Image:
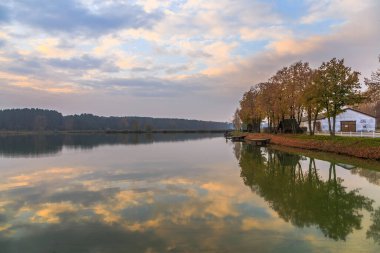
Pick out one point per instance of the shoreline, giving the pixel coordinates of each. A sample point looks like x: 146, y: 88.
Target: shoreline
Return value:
x: 111, y: 132
x: 369, y: 164
x: 367, y: 148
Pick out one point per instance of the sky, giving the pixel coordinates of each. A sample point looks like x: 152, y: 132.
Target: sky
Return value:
x: 182, y: 58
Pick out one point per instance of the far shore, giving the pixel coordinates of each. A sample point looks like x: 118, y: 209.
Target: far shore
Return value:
x: 111, y: 132
x: 368, y: 148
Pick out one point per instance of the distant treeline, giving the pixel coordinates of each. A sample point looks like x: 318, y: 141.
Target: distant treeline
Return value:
x: 49, y: 120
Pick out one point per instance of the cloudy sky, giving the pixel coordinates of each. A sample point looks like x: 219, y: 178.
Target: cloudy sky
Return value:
x: 180, y: 58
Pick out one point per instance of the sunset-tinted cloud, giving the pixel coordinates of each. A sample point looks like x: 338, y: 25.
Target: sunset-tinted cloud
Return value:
x: 189, y: 59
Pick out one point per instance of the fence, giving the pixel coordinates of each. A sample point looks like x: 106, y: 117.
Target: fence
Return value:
x: 354, y: 134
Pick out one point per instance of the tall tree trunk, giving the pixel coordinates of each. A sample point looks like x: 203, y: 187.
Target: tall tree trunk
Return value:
x: 309, y: 120
x: 334, y: 119
x: 315, y: 120
x: 270, y: 123
x: 311, y: 132
x: 299, y: 116
x: 334, y: 122
x: 329, y: 118
x: 329, y: 121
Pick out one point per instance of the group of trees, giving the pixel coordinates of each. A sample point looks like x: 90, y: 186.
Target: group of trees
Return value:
x: 298, y: 91
x: 42, y: 120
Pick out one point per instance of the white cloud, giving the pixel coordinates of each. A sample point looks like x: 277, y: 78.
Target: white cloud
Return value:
x: 334, y: 9
x: 264, y: 33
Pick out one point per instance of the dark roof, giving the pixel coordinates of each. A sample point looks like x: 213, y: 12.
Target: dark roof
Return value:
x: 321, y: 116
x: 288, y: 123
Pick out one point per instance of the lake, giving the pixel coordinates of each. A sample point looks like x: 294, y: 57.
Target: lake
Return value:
x: 181, y: 193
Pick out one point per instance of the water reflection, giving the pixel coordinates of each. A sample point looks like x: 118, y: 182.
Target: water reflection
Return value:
x: 45, y: 144
x: 300, y: 195
x: 164, y: 197
x: 80, y: 210
x: 374, y: 230
x: 180, y: 197
x: 372, y: 176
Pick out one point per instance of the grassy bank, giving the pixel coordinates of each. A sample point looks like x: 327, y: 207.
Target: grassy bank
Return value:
x: 368, y: 148
x: 332, y: 157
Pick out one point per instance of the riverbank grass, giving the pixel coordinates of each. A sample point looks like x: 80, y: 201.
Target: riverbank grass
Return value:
x: 362, y: 147
x: 346, y: 140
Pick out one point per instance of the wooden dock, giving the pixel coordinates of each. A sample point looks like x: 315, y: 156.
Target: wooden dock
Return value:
x: 259, y: 142
x: 235, y: 137
x: 241, y: 137
x: 238, y: 138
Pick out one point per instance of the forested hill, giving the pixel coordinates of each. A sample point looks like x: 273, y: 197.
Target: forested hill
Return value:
x: 41, y: 120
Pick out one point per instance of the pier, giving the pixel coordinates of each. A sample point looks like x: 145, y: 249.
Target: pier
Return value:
x: 259, y: 142
x: 241, y: 137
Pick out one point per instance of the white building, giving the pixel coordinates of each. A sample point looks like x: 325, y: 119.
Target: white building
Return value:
x: 350, y: 120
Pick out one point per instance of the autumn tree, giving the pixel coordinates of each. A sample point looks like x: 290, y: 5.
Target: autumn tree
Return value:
x: 373, y: 84
x: 249, y: 112
x: 267, y: 101
x: 373, y: 92
x: 280, y: 81
x: 236, y: 121
x: 311, y: 99
x: 285, y: 91
x: 299, y: 76
x: 341, y: 89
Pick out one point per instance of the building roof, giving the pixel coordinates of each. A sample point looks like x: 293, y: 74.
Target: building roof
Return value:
x: 355, y: 110
x: 320, y: 116
x: 323, y: 116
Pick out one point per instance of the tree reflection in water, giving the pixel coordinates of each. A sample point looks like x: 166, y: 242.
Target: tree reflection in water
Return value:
x: 300, y: 195
x: 372, y: 176
x: 374, y: 230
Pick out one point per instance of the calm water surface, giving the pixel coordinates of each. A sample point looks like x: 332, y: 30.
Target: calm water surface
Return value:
x: 180, y: 193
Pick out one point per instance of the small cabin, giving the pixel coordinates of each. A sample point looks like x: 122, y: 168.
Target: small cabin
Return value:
x: 350, y: 120
x: 289, y: 126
